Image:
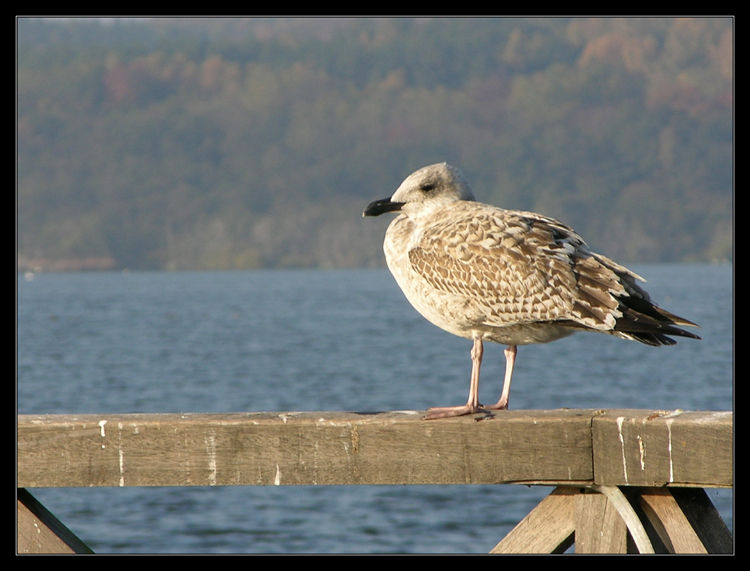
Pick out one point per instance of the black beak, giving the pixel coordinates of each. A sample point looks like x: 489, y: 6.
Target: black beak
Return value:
x: 381, y: 207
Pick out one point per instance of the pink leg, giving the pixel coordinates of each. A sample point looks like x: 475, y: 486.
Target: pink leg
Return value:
x: 510, y: 359
x: 472, y: 405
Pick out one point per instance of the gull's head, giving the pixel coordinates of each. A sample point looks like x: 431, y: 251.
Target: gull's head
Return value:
x: 430, y: 187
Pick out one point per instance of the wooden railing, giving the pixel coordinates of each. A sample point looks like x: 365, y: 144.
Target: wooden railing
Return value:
x: 620, y: 474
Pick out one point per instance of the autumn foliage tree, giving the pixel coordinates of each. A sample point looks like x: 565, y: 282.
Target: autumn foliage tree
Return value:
x: 238, y: 143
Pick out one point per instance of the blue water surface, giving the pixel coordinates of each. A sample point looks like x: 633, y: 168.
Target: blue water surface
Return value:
x: 296, y: 340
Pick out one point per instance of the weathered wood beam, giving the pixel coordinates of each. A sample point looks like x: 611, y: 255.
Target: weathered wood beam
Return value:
x: 686, y: 520
x: 41, y: 532
x: 603, y: 519
x: 563, y: 447
x: 599, y: 528
x: 549, y: 527
x: 657, y: 448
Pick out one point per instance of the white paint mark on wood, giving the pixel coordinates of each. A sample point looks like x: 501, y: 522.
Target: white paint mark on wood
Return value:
x: 669, y: 448
x: 642, y: 451
x: 211, y: 449
x: 122, y: 468
x: 121, y: 456
x: 101, y: 428
x: 620, y: 420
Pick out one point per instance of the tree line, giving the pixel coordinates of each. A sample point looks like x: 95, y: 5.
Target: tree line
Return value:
x: 241, y: 143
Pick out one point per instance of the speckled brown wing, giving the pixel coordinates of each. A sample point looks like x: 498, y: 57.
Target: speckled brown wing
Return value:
x: 519, y: 267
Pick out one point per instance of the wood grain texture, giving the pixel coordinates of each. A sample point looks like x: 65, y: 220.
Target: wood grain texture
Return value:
x: 598, y: 525
x: 307, y: 448
x: 41, y: 532
x: 565, y: 447
x: 659, y: 448
x: 548, y: 528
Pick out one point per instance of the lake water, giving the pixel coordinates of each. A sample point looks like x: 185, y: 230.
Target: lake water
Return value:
x: 295, y: 340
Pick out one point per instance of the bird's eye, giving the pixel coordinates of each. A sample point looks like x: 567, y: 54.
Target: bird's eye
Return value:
x: 427, y: 187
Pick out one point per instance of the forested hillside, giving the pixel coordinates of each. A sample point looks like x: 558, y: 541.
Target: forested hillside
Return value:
x: 241, y: 143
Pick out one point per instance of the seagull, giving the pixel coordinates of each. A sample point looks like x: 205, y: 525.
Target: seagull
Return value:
x: 507, y: 276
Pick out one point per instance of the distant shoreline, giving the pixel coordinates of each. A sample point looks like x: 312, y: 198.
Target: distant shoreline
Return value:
x: 66, y: 265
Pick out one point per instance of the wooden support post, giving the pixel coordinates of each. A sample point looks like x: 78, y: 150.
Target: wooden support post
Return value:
x: 41, y: 532
x: 596, y: 522
x: 598, y: 525
x: 547, y: 529
x: 685, y: 520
